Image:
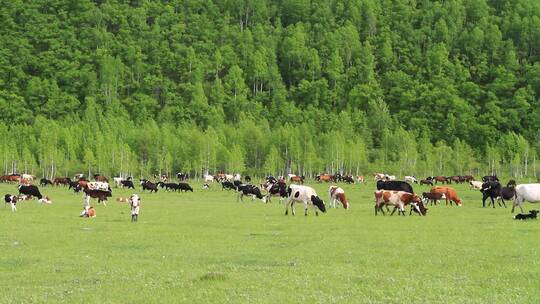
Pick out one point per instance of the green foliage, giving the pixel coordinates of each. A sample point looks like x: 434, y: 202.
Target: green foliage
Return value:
x: 146, y: 86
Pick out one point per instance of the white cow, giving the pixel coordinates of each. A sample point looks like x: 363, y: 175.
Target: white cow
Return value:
x: 526, y: 192
x: 475, y: 185
x: 27, y: 177
x: 237, y: 177
x: 135, y: 202
x: 306, y: 195
x: 410, y: 179
x: 229, y: 177
x: 118, y: 181
x: 337, y: 194
x: 208, y: 178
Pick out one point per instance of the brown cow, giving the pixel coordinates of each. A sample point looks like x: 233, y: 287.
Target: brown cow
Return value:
x: 398, y: 199
x: 450, y: 194
x: 325, y: 178
x: 64, y: 181
x: 441, y: 179
x: 101, y: 178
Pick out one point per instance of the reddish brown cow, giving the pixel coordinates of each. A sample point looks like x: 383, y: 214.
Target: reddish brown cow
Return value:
x: 101, y: 178
x: 450, y: 194
x: 325, y: 178
x: 441, y: 179
x: 61, y: 181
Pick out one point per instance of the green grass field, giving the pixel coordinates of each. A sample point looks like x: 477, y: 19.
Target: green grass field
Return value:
x: 204, y: 247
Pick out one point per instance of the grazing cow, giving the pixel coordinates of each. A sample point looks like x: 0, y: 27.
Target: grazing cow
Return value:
x: 44, y: 182
x: 100, y: 194
x: 135, y: 203
x: 440, y: 179
x: 426, y: 182
x: 394, y: 185
x: 184, y: 187
x: 493, y: 191
x: 306, y: 195
x: 64, y: 181
x: 336, y: 194
x: 296, y: 178
x: 100, y: 178
x: 456, y: 179
x: 476, y: 185
x: 226, y: 185
x: 276, y: 188
x: 127, y: 184
x: 118, y: 181
x: 148, y: 185
x: 12, y: 200
x: 360, y: 179
x: 324, y: 178
x: 398, y: 199
x: 411, y: 179
x: 449, y: 193
x: 432, y: 198
x: 183, y: 176
x: 418, y: 208
x: 526, y: 192
x: 490, y: 178
x: 532, y: 215
x: 347, y: 179
x: 33, y: 191
x: 208, y: 178
x: 379, y: 176
x: 252, y: 190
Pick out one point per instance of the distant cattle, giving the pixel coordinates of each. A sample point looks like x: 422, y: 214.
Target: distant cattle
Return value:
x: 337, y: 194
x: 44, y: 182
x: 226, y: 185
x: 100, y: 178
x: 64, y: 181
x: 184, y: 187
x: 148, y: 185
x: 450, y: 194
x: 360, y: 179
x: 127, y: 184
x: 526, y: 192
x: 394, y: 185
x: 296, y: 178
x: 181, y: 176
x: 379, y: 176
x: 324, y: 178
x: 306, y: 195
x: 398, y: 199
x: 208, y: 178
x: 426, y: 182
x: 440, y: 179
x: 347, y: 179
x: 411, y: 179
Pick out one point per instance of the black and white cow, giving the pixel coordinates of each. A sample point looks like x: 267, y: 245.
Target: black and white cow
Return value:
x: 44, y: 182
x: 12, y: 201
x: 225, y: 185
x: 275, y: 189
x: 181, y: 176
x: 127, y: 184
x: 33, y: 191
x: 306, y: 195
x: 252, y: 190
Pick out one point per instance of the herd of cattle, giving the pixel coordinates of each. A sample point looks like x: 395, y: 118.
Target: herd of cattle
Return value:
x: 390, y: 192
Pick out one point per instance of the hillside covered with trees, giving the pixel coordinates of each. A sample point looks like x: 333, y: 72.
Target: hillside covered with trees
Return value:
x: 269, y: 86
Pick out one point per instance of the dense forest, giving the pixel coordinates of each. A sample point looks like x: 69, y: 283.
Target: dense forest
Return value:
x: 270, y: 86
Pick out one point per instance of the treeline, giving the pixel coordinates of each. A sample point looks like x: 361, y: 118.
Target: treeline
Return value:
x: 270, y: 86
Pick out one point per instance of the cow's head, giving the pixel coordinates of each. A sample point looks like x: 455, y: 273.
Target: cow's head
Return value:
x: 318, y: 202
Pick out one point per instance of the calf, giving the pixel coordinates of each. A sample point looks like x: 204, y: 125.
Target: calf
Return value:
x: 449, y: 193
x: 432, y: 198
x: 12, y: 200
x: 532, y: 215
x: 336, y: 194
x: 306, y: 195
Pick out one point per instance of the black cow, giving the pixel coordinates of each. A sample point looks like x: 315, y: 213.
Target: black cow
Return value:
x: 252, y: 190
x: 182, y: 176
x: 490, y: 178
x: 347, y: 179
x: 492, y: 190
x: 127, y: 184
x: 426, y: 182
x: 44, y: 182
x: 226, y: 185
x: 184, y: 187
x: 532, y: 215
x: 148, y: 185
x: 247, y: 178
x: 394, y: 185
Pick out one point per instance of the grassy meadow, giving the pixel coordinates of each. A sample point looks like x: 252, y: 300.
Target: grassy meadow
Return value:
x: 204, y: 247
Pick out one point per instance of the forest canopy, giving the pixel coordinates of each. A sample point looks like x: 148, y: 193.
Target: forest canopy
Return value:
x: 268, y: 87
